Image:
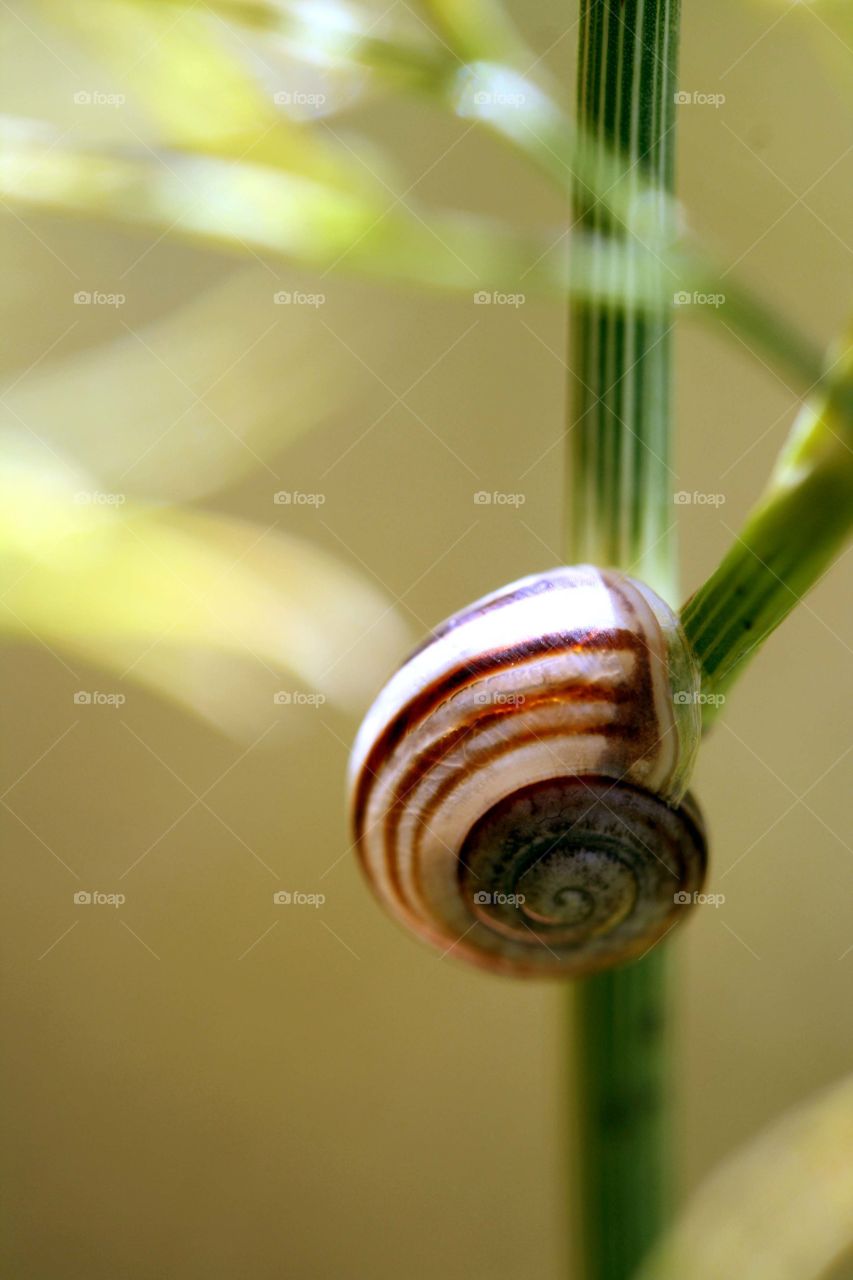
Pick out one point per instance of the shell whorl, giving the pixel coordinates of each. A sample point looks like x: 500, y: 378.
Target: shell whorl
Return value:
x: 516, y: 786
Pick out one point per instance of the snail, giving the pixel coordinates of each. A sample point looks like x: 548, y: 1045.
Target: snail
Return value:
x: 518, y: 788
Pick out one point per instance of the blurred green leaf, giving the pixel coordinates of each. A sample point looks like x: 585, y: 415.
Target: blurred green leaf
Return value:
x: 348, y: 37
x: 196, y: 84
x: 300, y: 220
x: 799, y: 524
x: 216, y: 613
x: 244, y: 205
x: 186, y: 70
x: 478, y: 29
x: 781, y: 1209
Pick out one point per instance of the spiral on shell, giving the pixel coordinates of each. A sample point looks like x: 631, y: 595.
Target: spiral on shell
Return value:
x: 518, y: 787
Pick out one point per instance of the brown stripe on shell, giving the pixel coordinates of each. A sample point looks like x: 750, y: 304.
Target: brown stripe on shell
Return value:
x: 486, y: 758
x: 640, y: 731
x: 616, y: 586
x: 419, y: 707
x: 480, y: 610
x: 481, y: 722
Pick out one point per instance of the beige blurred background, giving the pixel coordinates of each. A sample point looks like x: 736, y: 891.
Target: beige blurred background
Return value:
x: 200, y: 1084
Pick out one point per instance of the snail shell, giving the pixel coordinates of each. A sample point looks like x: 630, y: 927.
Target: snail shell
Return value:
x: 518, y: 786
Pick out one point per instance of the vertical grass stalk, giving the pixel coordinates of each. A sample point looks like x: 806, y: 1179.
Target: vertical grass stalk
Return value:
x: 620, y: 514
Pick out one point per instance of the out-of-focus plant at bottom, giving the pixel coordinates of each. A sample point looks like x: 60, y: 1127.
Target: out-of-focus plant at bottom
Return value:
x: 780, y: 1209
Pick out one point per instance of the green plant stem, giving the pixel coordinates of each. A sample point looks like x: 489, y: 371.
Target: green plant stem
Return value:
x: 620, y: 513
x: 620, y: 510
x: 795, y: 531
x: 621, y: 1045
